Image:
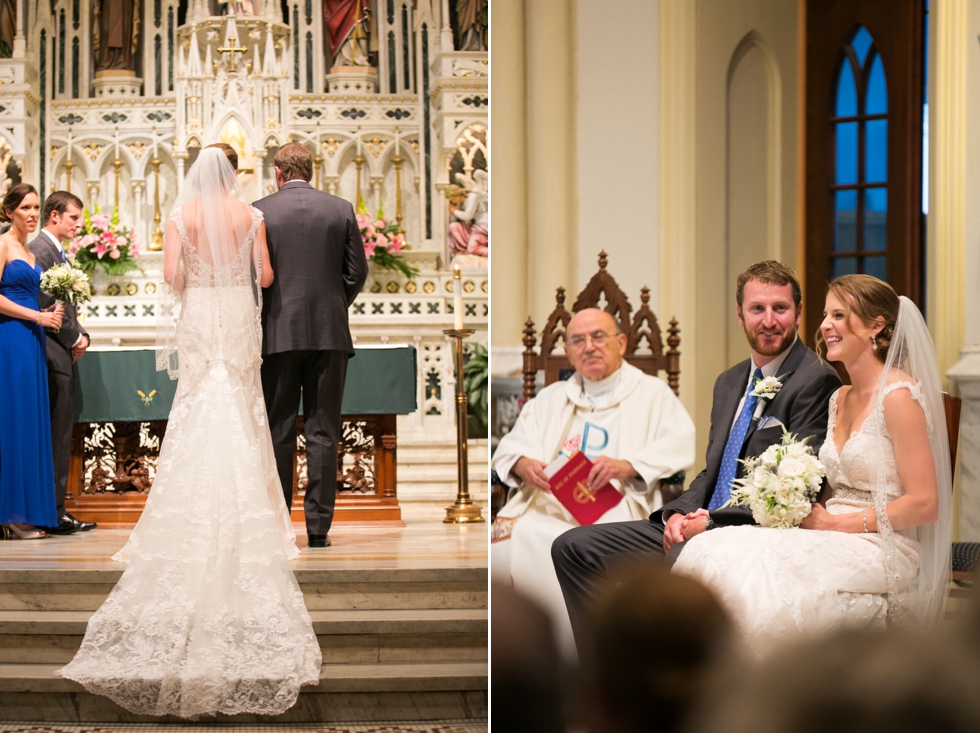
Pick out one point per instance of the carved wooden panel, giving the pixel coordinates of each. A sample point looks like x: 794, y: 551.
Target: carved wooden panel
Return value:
x: 113, y: 466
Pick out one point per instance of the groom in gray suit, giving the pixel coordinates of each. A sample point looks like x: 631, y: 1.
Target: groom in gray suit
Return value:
x: 316, y: 252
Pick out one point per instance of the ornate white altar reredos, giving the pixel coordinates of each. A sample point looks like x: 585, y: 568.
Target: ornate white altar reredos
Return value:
x: 113, y: 100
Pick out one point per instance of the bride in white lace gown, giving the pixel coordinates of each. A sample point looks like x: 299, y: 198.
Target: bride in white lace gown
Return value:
x: 208, y: 616
x: 880, y: 551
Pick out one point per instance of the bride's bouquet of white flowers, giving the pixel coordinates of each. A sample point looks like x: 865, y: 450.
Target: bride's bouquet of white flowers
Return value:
x: 781, y: 485
x: 67, y: 283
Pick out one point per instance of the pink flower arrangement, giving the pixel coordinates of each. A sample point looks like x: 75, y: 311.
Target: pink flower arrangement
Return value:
x: 102, y: 242
x: 383, y: 241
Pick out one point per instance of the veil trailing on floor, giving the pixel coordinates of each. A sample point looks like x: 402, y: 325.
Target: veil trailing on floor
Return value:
x: 921, y: 603
x: 208, y: 243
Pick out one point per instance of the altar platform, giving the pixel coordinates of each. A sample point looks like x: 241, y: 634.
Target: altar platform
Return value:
x: 401, y: 614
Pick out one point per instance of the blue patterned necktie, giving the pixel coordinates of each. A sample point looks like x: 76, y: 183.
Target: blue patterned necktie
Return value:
x: 729, y: 461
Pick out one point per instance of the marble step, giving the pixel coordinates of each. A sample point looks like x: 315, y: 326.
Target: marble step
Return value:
x: 408, y: 454
x: 323, y: 590
x: 371, y: 636
x: 346, y: 692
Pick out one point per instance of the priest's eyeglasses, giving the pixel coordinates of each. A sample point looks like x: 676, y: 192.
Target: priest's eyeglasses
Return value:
x: 599, y: 338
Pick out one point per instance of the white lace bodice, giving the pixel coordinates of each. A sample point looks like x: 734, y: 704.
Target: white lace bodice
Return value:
x: 221, y: 312
x: 199, y: 273
x: 850, y: 471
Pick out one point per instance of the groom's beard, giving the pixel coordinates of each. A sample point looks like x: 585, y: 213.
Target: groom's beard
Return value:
x: 770, y: 342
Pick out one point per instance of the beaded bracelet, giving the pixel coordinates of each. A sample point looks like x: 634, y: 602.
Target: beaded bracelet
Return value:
x: 864, y: 518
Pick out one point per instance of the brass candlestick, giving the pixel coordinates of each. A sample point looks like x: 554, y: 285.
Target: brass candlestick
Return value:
x: 358, y: 161
x: 117, y: 164
x: 69, y: 167
x: 463, y: 511
x: 156, y: 238
x: 398, y: 188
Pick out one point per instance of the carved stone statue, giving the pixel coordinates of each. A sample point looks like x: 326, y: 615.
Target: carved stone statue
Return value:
x: 469, y: 226
x: 116, y: 34
x: 472, y: 17
x: 350, y: 32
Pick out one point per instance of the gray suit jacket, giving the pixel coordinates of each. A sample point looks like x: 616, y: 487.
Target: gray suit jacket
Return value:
x: 59, y: 344
x: 801, y: 406
x: 319, y: 264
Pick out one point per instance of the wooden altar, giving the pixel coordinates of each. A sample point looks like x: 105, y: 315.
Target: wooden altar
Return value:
x: 121, y: 412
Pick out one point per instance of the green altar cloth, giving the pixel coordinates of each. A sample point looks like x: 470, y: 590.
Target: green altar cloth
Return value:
x: 122, y: 385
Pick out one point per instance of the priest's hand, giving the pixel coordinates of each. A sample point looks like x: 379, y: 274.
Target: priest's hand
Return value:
x: 532, y: 473
x: 604, y: 469
x: 694, y: 523
x: 674, y: 530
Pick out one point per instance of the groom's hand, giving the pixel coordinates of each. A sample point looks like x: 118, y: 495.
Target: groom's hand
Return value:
x: 673, y: 531
x: 693, y: 524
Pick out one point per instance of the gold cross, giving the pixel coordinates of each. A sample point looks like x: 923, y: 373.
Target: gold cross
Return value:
x: 233, y: 49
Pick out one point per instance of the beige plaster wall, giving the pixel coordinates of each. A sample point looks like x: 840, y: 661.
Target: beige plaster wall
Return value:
x: 746, y: 161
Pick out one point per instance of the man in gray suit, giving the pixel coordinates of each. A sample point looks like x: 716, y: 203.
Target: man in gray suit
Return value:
x: 318, y: 257
x: 62, y: 216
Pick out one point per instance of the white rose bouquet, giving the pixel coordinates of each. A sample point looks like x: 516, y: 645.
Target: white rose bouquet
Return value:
x: 67, y: 283
x: 781, y: 485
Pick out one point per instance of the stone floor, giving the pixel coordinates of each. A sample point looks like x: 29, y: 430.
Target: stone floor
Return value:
x: 425, y: 542
x: 401, y: 614
x: 444, y: 726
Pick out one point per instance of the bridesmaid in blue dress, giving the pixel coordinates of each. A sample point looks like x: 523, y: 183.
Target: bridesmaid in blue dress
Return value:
x: 26, y: 467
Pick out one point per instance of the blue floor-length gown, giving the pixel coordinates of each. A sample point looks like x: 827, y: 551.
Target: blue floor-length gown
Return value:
x: 26, y: 466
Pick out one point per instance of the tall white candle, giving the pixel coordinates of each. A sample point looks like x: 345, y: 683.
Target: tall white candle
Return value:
x: 154, y: 142
x: 457, y: 298
x: 358, y: 142
x: 117, y: 142
x: 397, y: 141
x: 69, y: 143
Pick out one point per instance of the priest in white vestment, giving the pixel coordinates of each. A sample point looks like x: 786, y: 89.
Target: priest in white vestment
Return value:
x: 629, y: 424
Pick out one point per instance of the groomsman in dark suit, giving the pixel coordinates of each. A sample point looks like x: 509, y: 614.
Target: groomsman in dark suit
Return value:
x: 62, y: 216
x: 318, y: 257
x: 769, y: 303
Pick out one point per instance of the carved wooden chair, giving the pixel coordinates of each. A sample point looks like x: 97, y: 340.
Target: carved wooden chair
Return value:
x: 644, y: 350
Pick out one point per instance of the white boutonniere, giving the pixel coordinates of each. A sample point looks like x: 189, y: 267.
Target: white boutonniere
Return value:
x: 766, y: 389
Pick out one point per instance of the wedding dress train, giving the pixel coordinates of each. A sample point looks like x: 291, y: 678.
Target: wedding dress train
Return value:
x: 208, y: 616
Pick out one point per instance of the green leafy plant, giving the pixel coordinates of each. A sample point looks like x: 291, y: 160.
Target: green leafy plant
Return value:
x: 476, y: 382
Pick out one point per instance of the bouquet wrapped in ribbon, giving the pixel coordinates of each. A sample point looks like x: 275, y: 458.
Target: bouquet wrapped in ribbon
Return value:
x: 102, y: 242
x: 781, y: 485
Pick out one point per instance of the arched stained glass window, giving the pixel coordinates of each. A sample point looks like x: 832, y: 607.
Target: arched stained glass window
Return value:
x: 860, y: 187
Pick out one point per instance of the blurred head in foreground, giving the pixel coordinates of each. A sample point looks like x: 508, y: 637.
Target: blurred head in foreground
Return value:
x: 526, y: 674
x: 857, y: 681
x: 649, y: 651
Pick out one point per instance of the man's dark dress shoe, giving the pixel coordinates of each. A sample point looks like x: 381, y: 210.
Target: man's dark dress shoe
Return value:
x: 79, y: 524
x: 318, y: 540
x: 66, y: 525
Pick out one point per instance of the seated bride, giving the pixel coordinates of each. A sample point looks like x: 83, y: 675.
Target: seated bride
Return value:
x: 879, y: 552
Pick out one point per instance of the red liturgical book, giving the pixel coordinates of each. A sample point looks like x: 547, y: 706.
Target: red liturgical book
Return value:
x: 569, y: 484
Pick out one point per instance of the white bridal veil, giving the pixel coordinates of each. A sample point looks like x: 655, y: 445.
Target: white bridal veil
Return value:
x: 920, y: 604
x: 208, y: 244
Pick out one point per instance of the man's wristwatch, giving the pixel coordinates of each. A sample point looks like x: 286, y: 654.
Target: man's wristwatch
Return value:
x: 709, y: 523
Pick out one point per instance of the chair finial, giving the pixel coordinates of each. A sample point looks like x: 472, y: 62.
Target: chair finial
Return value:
x: 603, y: 259
x: 560, y: 296
x: 645, y: 295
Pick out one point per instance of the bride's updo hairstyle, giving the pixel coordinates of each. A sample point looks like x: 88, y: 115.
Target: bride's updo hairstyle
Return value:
x: 869, y: 299
x: 14, y: 198
x: 228, y: 151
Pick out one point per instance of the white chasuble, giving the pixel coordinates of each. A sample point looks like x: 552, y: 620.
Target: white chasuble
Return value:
x: 628, y: 416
